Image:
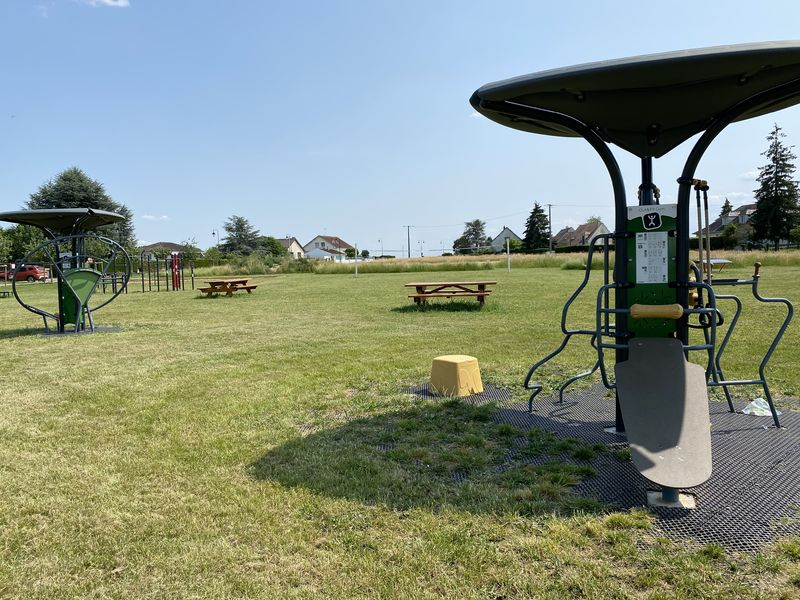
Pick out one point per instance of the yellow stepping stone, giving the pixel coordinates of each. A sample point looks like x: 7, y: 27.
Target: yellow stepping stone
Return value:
x: 456, y: 375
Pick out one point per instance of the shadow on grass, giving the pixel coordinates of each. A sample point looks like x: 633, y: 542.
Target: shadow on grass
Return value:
x: 449, y: 306
x: 440, y: 454
x: 15, y: 333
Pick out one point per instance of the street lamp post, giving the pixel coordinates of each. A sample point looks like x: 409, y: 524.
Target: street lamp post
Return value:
x: 381, y: 243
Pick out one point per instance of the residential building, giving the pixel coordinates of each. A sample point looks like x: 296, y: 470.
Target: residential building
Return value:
x: 737, y: 216
x: 499, y: 242
x: 326, y: 254
x: 161, y: 248
x: 292, y: 246
x: 583, y: 235
x: 326, y: 242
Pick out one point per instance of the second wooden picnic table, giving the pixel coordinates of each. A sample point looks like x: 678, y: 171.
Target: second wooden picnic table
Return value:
x: 450, y: 289
x: 226, y: 286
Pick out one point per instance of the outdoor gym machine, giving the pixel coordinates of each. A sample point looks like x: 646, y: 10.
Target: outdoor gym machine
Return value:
x: 174, y: 271
x: 649, y: 105
x: 81, y: 260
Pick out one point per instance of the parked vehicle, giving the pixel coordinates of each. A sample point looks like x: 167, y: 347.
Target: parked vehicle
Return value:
x: 26, y: 273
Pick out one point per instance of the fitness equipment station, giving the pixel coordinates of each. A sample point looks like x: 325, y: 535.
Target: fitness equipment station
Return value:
x: 649, y: 105
x: 174, y: 271
x: 81, y: 260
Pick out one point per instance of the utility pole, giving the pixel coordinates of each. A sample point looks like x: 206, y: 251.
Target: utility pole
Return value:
x: 408, y: 234
x: 550, y: 225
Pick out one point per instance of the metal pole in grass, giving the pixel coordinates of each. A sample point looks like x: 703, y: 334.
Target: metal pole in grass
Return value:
x: 356, y: 260
x: 508, y: 255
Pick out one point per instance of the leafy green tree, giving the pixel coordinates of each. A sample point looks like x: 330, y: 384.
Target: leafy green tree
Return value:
x: 537, y: 230
x: 727, y: 207
x: 594, y: 220
x: 475, y: 232
x: 461, y: 246
x: 728, y: 237
x: 350, y: 252
x: 74, y: 189
x: 190, y: 249
x: 5, y: 247
x: 777, y: 194
x: 242, y: 237
x: 269, y: 245
x: 514, y: 246
x: 794, y: 235
x: 23, y: 238
x: 365, y: 253
x: 473, y: 237
x: 213, y: 254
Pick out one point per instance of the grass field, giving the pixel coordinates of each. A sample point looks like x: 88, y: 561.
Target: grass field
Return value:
x: 263, y: 446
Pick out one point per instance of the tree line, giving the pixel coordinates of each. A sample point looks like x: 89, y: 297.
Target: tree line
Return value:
x: 776, y: 217
x: 537, y: 235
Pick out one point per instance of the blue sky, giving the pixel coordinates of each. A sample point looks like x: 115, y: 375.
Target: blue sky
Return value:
x: 346, y: 118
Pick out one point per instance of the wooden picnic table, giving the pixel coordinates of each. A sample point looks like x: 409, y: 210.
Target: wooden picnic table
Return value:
x: 721, y: 263
x: 226, y: 286
x: 450, y: 289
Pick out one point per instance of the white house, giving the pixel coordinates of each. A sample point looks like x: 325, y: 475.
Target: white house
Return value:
x: 293, y: 247
x: 499, y: 242
x: 327, y: 243
x: 326, y: 254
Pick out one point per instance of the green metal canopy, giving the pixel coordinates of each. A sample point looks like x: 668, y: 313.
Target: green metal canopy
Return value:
x: 63, y: 221
x: 649, y: 104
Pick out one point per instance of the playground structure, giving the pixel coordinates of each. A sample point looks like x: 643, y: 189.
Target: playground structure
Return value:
x: 81, y: 260
x: 174, y: 272
x: 648, y: 106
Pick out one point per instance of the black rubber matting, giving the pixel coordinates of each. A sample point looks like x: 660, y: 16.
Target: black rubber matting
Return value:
x: 752, y: 497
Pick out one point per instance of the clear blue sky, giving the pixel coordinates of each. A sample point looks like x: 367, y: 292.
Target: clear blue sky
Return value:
x: 349, y: 118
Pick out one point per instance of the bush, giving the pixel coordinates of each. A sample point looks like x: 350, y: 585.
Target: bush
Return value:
x: 297, y: 265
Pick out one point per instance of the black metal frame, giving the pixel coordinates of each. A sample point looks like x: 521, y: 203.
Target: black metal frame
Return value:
x: 648, y: 195
x: 76, y: 258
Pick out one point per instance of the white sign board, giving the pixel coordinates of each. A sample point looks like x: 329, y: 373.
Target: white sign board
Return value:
x: 651, y: 257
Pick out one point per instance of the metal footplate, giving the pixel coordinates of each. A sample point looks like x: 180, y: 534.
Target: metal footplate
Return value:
x: 665, y: 406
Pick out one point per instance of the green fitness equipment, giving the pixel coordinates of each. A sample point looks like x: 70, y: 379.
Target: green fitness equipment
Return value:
x: 81, y: 260
x: 654, y: 297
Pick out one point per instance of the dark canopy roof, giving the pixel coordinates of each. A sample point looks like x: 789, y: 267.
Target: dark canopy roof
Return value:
x: 650, y: 104
x: 63, y: 220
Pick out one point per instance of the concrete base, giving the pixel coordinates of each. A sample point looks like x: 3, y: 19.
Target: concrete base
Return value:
x: 687, y: 501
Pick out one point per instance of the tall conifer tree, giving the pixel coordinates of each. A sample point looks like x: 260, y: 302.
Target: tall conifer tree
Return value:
x: 537, y: 230
x: 777, y: 194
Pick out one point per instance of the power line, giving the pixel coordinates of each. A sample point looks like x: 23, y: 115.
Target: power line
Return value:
x: 516, y: 214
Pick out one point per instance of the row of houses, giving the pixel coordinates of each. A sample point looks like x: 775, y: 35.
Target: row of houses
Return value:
x: 325, y: 247
x: 583, y: 235
x: 332, y: 248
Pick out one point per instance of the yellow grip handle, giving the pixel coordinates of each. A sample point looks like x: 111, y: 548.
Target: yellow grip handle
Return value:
x: 656, y: 311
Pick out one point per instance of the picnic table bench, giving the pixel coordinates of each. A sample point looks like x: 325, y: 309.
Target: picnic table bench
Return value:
x: 226, y: 286
x: 450, y: 289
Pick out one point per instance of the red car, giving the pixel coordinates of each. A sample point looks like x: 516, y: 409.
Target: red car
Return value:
x: 26, y: 273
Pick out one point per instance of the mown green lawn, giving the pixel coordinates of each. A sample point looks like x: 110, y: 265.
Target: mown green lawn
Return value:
x: 263, y: 445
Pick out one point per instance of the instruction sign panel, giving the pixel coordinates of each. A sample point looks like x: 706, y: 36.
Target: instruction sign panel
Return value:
x: 652, y: 263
